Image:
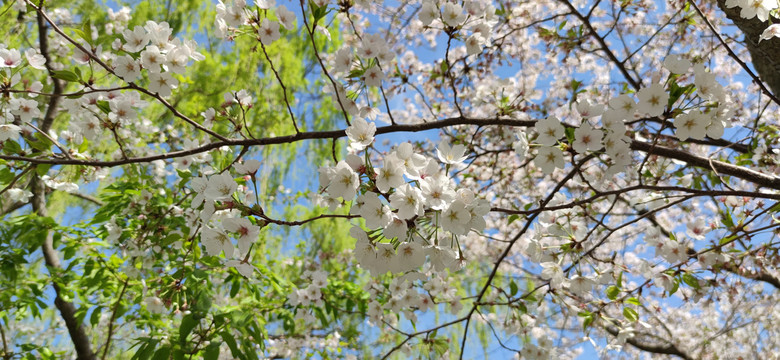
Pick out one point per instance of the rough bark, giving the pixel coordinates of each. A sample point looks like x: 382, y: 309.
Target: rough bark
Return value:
x: 766, y: 54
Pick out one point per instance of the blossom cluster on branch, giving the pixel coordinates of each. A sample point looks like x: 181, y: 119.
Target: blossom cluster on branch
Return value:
x: 368, y: 179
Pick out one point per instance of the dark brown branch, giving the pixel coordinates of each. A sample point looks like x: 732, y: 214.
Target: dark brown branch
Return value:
x: 603, y: 45
x: 723, y: 168
x: 665, y: 349
x: 759, y: 275
x: 332, y: 134
x: 753, y: 176
x: 7, y: 354
x: 76, y: 330
x: 302, y: 222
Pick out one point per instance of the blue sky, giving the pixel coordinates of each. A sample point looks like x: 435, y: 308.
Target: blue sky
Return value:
x: 303, y: 178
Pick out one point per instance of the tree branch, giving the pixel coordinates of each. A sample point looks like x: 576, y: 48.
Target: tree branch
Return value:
x: 7, y: 355
x: 765, y: 54
x: 753, y: 176
x: 42, y: 16
x: 67, y: 310
x: 113, y: 319
x: 760, y: 276
x: 666, y: 349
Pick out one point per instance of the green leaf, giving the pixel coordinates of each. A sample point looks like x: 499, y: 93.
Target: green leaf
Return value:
x: 162, y: 353
x: 86, y: 30
x: 630, y: 314
x: 521, y: 306
x: 103, y: 106
x: 11, y: 147
x: 65, y: 75
x: 440, y: 346
x: 46, y: 353
x: 228, y: 338
x: 178, y: 354
x: 725, y: 217
x: 691, y: 281
x: 204, y: 303
x: 146, y: 351
x: 318, y: 12
x: 727, y: 239
x: 570, y: 135
x: 321, y: 315
x: 512, y: 218
x: 42, y: 169
x: 775, y: 208
x: 94, y: 319
x: 42, y: 143
x: 512, y: 288
x: 6, y: 176
x: 187, y: 324
x: 234, y: 288
x: 443, y: 67
x: 211, y: 352
x: 587, y: 318
x: 632, y: 301
x: 613, y: 292
x: 675, y: 287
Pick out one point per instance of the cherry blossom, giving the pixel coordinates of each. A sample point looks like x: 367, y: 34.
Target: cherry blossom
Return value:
x: 10, y: 58
x: 269, y: 31
x: 220, y: 187
x: 549, y: 158
x: 770, y: 32
x: 216, y: 241
x: 550, y: 130
x: 586, y: 138
x: 451, y: 154
x: 361, y: 134
x: 652, y: 100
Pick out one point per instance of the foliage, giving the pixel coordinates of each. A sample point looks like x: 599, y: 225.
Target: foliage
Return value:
x: 354, y: 179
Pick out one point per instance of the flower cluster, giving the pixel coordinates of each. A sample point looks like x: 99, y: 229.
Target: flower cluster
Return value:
x: 234, y: 14
x: 402, y: 297
x: 477, y: 16
x: 404, y: 204
x: 26, y: 109
x: 216, y: 226
x: 612, y: 136
x: 157, y: 54
x: 653, y: 101
x: 312, y: 294
x: 362, y: 70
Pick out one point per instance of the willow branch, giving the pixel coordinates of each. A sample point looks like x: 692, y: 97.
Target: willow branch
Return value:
x: 171, y: 108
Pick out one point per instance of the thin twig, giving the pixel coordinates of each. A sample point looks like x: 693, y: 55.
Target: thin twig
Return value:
x: 734, y: 55
x: 113, y: 318
x: 110, y: 70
